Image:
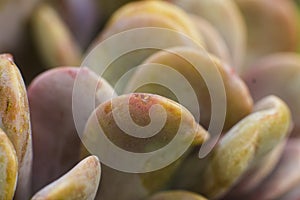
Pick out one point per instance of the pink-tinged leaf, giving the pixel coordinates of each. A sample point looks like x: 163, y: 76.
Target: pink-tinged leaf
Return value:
x: 55, y: 140
x: 284, y: 178
x: 271, y: 27
x: 277, y: 74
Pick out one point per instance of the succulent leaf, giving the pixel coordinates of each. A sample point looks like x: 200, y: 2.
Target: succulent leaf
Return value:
x: 55, y: 136
x: 215, y: 43
x: 53, y: 39
x: 15, y: 120
x: 81, y: 182
x: 197, y: 67
x: 277, y: 74
x: 225, y: 16
x: 284, y: 179
x: 271, y: 27
x: 244, y: 146
x: 170, y: 26
x: 159, y: 8
x: 133, y: 185
x: 8, y: 169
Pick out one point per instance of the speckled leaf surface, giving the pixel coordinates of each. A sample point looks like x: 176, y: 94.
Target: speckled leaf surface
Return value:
x: 15, y: 120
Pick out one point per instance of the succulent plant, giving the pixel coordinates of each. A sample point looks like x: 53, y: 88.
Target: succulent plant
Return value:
x: 82, y: 17
x: 148, y: 92
x: 56, y: 44
x: 195, y: 65
x: 172, y: 27
x: 79, y: 183
x: 241, y: 149
x: 9, y: 168
x: 47, y: 90
x: 287, y: 169
x: 15, y: 120
x: 226, y: 18
x: 16, y: 143
x: 277, y: 74
x: 254, y: 138
x: 138, y: 104
x: 179, y: 19
x: 272, y: 27
x: 215, y: 43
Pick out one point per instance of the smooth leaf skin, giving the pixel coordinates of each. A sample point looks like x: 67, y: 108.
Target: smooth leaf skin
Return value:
x: 271, y: 27
x: 15, y: 120
x: 144, y: 19
x: 53, y: 39
x: 80, y: 183
x: 214, y: 42
x: 139, y: 105
x: 257, y: 174
x: 152, y: 13
x: 239, y: 101
x: 284, y: 179
x: 226, y: 18
x: 244, y: 146
x: 176, y: 195
x: 161, y: 17
x: 8, y: 168
x: 159, y: 8
x: 55, y: 139
x: 126, y: 62
x: 133, y: 186
x: 277, y: 74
